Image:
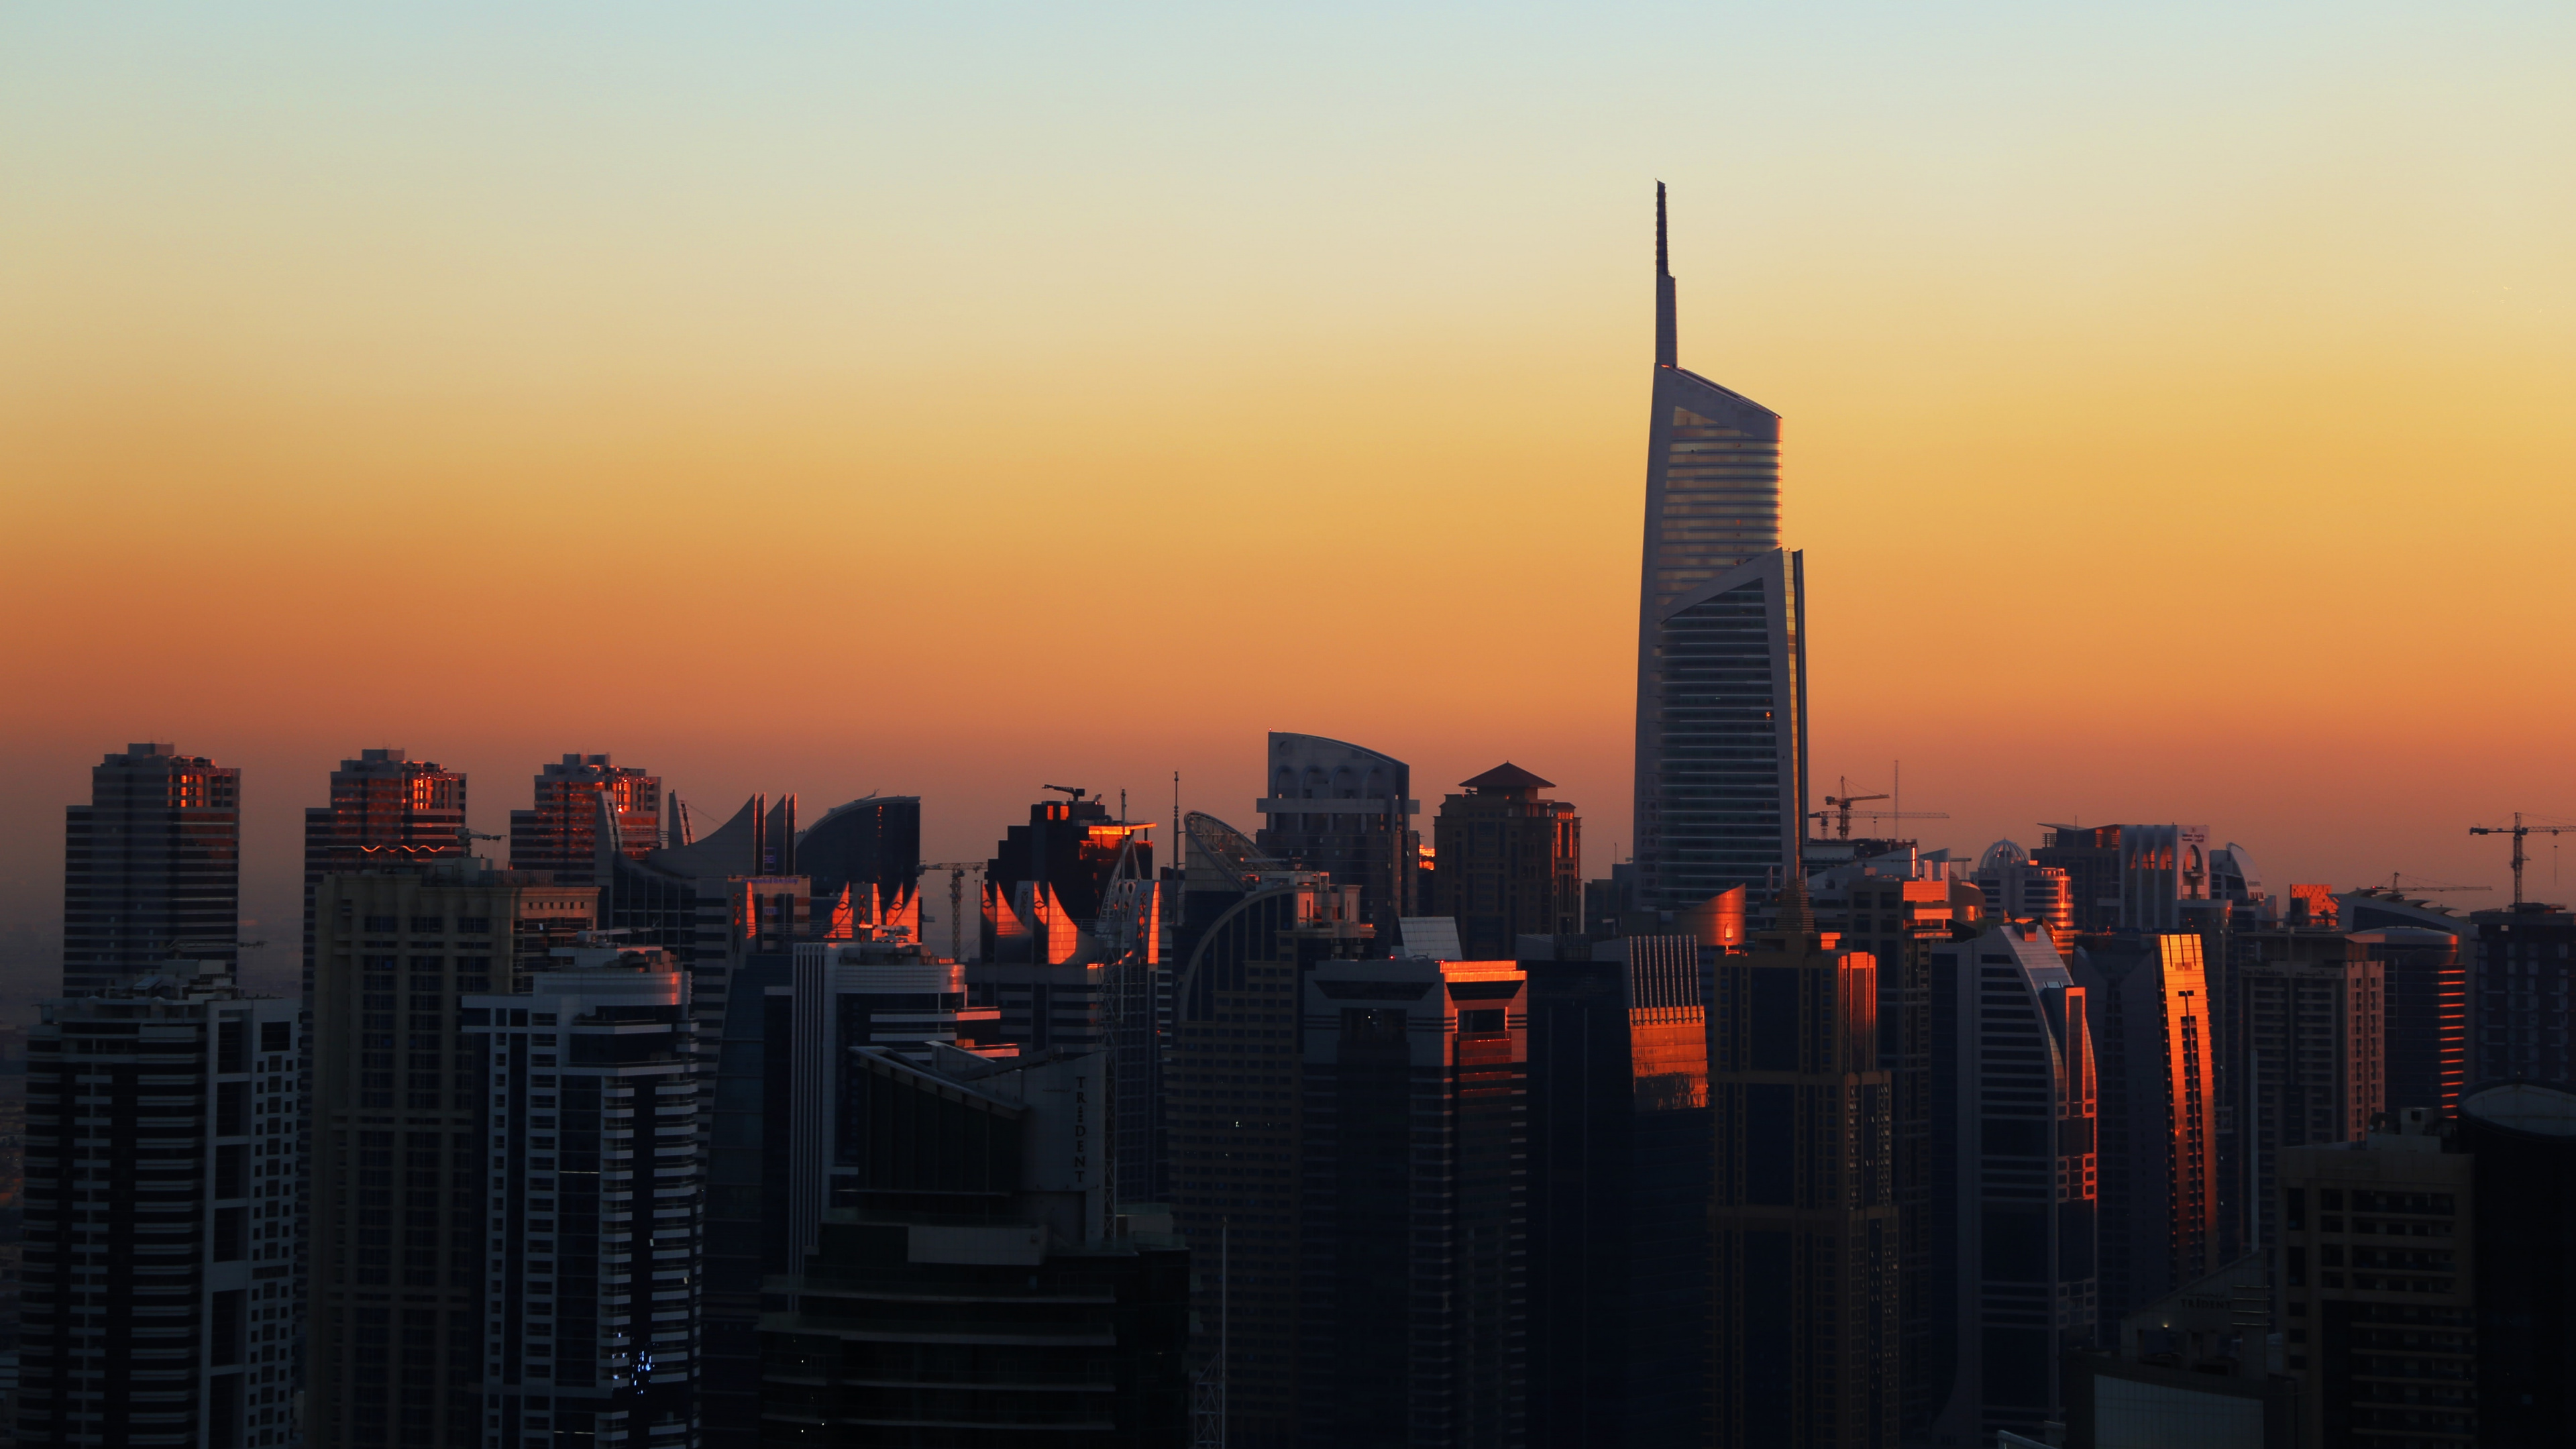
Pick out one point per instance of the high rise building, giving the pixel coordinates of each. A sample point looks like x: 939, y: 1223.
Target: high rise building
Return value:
x: 2133, y: 877
x: 1807, y: 1331
x: 395, y: 1312
x: 2313, y: 1036
x: 1511, y: 864
x: 590, y: 1251
x: 386, y: 810
x: 151, y: 867
x: 1061, y: 895
x: 2017, y: 889
x: 1250, y: 931
x: 2190, y: 1368
x: 1413, y: 1305
x: 1619, y: 1182
x: 2426, y: 986
x: 2522, y: 1137
x: 2376, y: 1293
x: 2015, y: 1187
x: 2519, y: 995
x: 979, y: 1285
x: 159, y: 1264
x: 2147, y: 999
x: 1348, y: 812
x: 1721, y: 791
x: 560, y: 835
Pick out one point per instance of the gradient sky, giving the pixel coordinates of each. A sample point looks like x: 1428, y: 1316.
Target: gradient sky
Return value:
x: 2178, y: 401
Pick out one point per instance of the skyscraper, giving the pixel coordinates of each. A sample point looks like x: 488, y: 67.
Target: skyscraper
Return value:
x: 396, y: 1308
x: 2519, y: 1002
x: 1806, y: 1330
x: 2014, y: 1189
x: 151, y: 867
x: 2147, y: 996
x: 1344, y: 810
x: 1721, y: 790
x: 160, y: 1248
x: 591, y: 1251
x: 2313, y: 1041
x: 1511, y: 864
x: 386, y: 809
x: 559, y: 836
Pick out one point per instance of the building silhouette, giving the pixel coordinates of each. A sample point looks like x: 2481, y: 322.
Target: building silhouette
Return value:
x: 2147, y: 999
x: 386, y: 810
x: 2018, y: 889
x: 159, y: 1265
x: 560, y: 834
x: 591, y: 1252
x: 395, y: 1311
x: 1413, y: 1314
x: 2313, y: 1039
x: 1510, y: 863
x: 2522, y: 1137
x: 151, y: 867
x: 1348, y: 812
x: 2518, y: 995
x: 2425, y: 980
x: 1721, y: 643
x: 2013, y: 1197
x: 1806, y: 1334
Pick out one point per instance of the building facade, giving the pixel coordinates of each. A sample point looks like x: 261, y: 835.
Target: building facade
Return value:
x: 1413, y: 1299
x: 2312, y: 1038
x: 397, y: 1211
x: 151, y: 867
x: 560, y: 834
x: 1806, y: 1333
x: 159, y: 1265
x: 591, y: 1251
x: 2015, y: 1189
x: 387, y: 810
x: 1510, y: 863
x: 2519, y: 995
x: 1346, y: 811
x: 2147, y: 998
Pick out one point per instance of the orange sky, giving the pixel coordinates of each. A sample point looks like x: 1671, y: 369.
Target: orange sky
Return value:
x: 2177, y: 415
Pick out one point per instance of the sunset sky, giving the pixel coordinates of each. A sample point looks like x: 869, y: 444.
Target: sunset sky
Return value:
x: 2180, y: 402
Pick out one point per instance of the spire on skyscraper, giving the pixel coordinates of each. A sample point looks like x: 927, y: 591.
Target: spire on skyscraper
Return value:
x: 1667, y: 324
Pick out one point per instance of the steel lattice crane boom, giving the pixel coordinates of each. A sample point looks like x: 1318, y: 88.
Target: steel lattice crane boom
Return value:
x: 2518, y: 830
x: 956, y: 899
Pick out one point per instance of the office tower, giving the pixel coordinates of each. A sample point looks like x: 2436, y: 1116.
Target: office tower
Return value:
x: 1806, y: 1331
x: 2522, y: 1136
x: 1250, y: 929
x: 590, y: 1251
x: 1412, y: 1324
x: 1347, y: 812
x: 1619, y: 1180
x: 395, y: 1313
x: 2426, y: 1008
x: 1511, y: 864
x: 2133, y: 877
x: 386, y: 810
x: 2018, y: 889
x: 2147, y: 998
x: 980, y: 1287
x: 864, y: 851
x: 151, y: 867
x: 159, y: 1255
x: 2013, y: 1199
x: 1047, y: 889
x: 2378, y: 1292
x: 2090, y: 856
x: 2518, y: 995
x: 2313, y: 1039
x: 560, y: 835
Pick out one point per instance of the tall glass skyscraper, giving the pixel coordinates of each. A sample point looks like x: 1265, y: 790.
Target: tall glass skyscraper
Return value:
x: 1721, y: 642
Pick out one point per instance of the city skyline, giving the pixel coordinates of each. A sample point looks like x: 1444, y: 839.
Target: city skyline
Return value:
x: 2028, y: 369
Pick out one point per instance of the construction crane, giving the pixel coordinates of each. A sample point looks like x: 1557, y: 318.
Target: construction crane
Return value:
x: 956, y: 899
x: 1077, y: 794
x: 2397, y: 886
x: 465, y: 838
x: 2518, y: 830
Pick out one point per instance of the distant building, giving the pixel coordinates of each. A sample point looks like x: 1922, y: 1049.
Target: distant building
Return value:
x: 2314, y: 1038
x: 2190, y: 1369
x: 1721, y: 762
x: 2147, y: 1000
x: 386, y: 810
x: 1807, y: 1330
x: 2519, y: 1023
x: 980, y: 1287
x: 1346, y: 811
x: 159, y: 1270
x: 560, y: 834
x: 1511, y: 864
x: 1412, y: 1323
x: 2378, y: 1295
x: 1251, y: 930
x: 2014, y: 1197
x: 2018, y: 889
x: 151, y: 868
x: 2132, y: 877
x: 2426, y: 1008
x: 396, y: 1307
x: 590, y: 1255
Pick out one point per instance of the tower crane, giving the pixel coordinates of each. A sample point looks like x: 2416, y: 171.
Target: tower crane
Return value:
x: 2518, y: 830
x: 956, y: 899
x: 2397, y: 886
